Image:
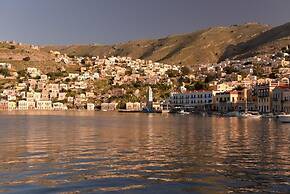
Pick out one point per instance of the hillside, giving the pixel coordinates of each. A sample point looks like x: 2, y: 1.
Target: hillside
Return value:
x: 269, y: 41
x: 14, y: 53
x: 204, y: 46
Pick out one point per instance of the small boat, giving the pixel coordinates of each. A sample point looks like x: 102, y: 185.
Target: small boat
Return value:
x: 284, y: 118
x: 129, y: 111
x: 233, y: 114
x: 165, y: 111
x: 183, y: 112
x: 252, y: 115
x: 268, y: 115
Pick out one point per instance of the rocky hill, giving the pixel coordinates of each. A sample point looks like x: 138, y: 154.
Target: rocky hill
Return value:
x: 267, y: 42
x: 22, y: 56
x: 204, y: 46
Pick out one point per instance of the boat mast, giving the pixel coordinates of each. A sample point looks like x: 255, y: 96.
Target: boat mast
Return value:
x: 246, y: 105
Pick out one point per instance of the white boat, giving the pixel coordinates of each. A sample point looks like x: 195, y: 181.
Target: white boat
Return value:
x: 251, y: 115
x: 165, y: 111
x: 284, y: 118
x: 183, y: 112
x: 233, y: 114
x: 268, y: 115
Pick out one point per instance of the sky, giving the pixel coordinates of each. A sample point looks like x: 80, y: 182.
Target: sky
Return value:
x: 114, y: 21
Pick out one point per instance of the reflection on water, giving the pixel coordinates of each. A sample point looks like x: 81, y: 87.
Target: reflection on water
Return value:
x: 139, y: 153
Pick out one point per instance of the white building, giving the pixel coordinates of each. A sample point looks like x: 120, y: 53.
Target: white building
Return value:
x: 90, y: 106
x: 12, y: 105
x: 58, y: 106
x: 22, y: 105
x: 195, y: 100
x: 31, y: 105
x: 136, y: 106
x: 44, y: 105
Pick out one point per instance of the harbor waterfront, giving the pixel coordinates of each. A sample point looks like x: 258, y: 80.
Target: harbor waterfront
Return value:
x: 104, y: 152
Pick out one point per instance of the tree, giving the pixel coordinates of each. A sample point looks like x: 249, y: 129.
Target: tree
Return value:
x: 200, y: 86
x: 22, y: 73
x: 137, y: 84
x: 258, y: 71
x: 273, y: 76
x: 239, y: 88
x: 83, y: 61
x: 26, y: 59
x: 57, y: 74
x: 5, y: 72
x: 210, y: 78
x: 185, y: 70
x: 172, y: 73
x: 197, y: 86
x: 128, y: 71
x: 230, y: 69
x: 183, y: 80
x: 121, y: 105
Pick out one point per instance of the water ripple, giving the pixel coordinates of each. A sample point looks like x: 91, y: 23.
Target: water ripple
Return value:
x: 138, y: 153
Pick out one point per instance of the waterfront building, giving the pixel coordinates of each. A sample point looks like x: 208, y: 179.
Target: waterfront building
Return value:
x: 3, y: 105
x: 281, y: 99
x: 264, y: 97
x: 90, y: 106
x: 252, y: 100
x: 58, y: 106
x: 31, y: 105
x: 136, y: 106
x: 12, y: 106
x: 109, y: 106
x: 242, y: 101
x: 44, y: 105
x: 195, y: 100
x: 226, y: 101
x: 22, y: 105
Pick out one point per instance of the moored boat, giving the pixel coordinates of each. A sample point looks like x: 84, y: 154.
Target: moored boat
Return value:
x: 183, y: 112
x: 233, y: 114
x: 284, y: 118
x: 253, y: 115
x: 165, y: 111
